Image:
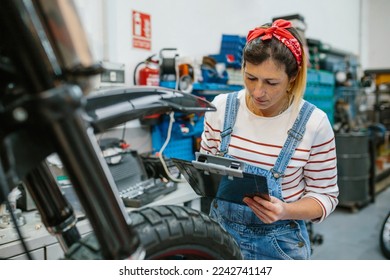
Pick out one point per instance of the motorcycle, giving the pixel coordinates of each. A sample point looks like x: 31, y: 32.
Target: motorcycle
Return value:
x: 46, y: 77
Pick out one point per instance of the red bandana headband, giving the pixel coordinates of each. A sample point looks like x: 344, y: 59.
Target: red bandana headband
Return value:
x: 279, y: 31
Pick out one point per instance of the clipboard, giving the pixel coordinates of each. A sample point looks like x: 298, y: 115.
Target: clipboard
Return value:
x: 223, y: 178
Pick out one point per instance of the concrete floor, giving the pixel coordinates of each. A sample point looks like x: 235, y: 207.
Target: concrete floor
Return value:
x: 351, y: 235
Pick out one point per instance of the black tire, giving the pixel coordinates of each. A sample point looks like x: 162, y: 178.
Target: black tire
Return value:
x: 384, y: 238
x: 171, y: 232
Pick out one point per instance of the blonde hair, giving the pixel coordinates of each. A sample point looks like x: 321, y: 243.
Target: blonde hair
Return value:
x: 299, y: 84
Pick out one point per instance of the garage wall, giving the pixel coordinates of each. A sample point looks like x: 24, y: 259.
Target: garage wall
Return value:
x: 375, y: 34
x: 195, y: 27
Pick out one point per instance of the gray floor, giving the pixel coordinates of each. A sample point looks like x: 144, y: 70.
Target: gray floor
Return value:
x: 351, y: 235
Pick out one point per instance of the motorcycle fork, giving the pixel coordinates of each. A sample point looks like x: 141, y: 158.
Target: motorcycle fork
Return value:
x: 56, y: 212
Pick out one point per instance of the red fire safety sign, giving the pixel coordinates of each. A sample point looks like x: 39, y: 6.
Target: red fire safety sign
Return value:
x: 142, y: 31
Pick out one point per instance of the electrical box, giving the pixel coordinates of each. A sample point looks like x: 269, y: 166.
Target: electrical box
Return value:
x: 113, y: 75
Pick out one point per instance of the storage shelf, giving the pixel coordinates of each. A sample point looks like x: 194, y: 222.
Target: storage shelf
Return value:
x: 215, y: 87
x: 382, y: 174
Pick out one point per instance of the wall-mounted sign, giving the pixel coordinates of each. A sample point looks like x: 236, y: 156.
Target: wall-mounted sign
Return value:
x: 142, y: 31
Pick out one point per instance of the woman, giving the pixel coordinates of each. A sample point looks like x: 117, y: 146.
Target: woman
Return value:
x: 260, y: 125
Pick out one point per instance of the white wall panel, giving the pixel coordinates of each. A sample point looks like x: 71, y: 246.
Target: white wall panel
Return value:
x: 195, y: 27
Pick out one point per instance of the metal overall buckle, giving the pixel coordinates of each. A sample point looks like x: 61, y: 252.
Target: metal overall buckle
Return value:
x: 276, y: 174
x: 295, y: 134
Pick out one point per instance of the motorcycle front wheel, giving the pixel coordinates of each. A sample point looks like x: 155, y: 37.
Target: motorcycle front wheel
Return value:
x: 171, y: 232
x: 384, y: 238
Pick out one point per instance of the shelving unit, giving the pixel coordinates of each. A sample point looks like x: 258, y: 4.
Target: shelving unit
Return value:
x: 381, y: 116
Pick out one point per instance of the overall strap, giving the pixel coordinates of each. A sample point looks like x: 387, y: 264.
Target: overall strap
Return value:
x: 295, y: 135
x: 232, y: 105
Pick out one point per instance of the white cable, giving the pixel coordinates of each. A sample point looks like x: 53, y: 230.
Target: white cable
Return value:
x: 177, y: 76
x: 169, y: 132
x: 160, y: 153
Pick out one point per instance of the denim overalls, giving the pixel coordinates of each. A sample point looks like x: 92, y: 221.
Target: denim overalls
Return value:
x: 284, y: 239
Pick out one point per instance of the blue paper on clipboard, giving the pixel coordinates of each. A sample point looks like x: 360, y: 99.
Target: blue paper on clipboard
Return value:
x: 223, y: 178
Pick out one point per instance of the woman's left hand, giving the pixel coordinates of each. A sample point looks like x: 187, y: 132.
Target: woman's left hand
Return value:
x: 267, y: 211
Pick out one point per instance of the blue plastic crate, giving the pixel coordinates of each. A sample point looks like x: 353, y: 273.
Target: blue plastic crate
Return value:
x: 320, y: 77
x: 312, y: 76
x: 325, y: 103
x: 232, y: 45
x: 178, y: 148
x: 230, y: 59
x: 321, y: 94
x: 326, y: 78
x: 319, y: 91
x: 180, y: 144
x: 211, y: 75
x: 233, y: 42
x: 168, y: 84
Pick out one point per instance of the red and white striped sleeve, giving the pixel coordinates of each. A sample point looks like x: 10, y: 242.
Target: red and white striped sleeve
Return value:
x: 320, y: 172
x: 210, y: 141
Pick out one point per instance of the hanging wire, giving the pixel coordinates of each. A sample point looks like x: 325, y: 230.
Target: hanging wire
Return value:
x: 160, y: 153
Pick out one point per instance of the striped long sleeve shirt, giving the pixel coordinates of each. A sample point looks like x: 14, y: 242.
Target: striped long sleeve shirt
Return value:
x: 312, y: 170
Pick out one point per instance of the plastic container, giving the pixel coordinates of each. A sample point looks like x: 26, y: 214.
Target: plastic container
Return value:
x: 181, y: 142
x: 320, y: 90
